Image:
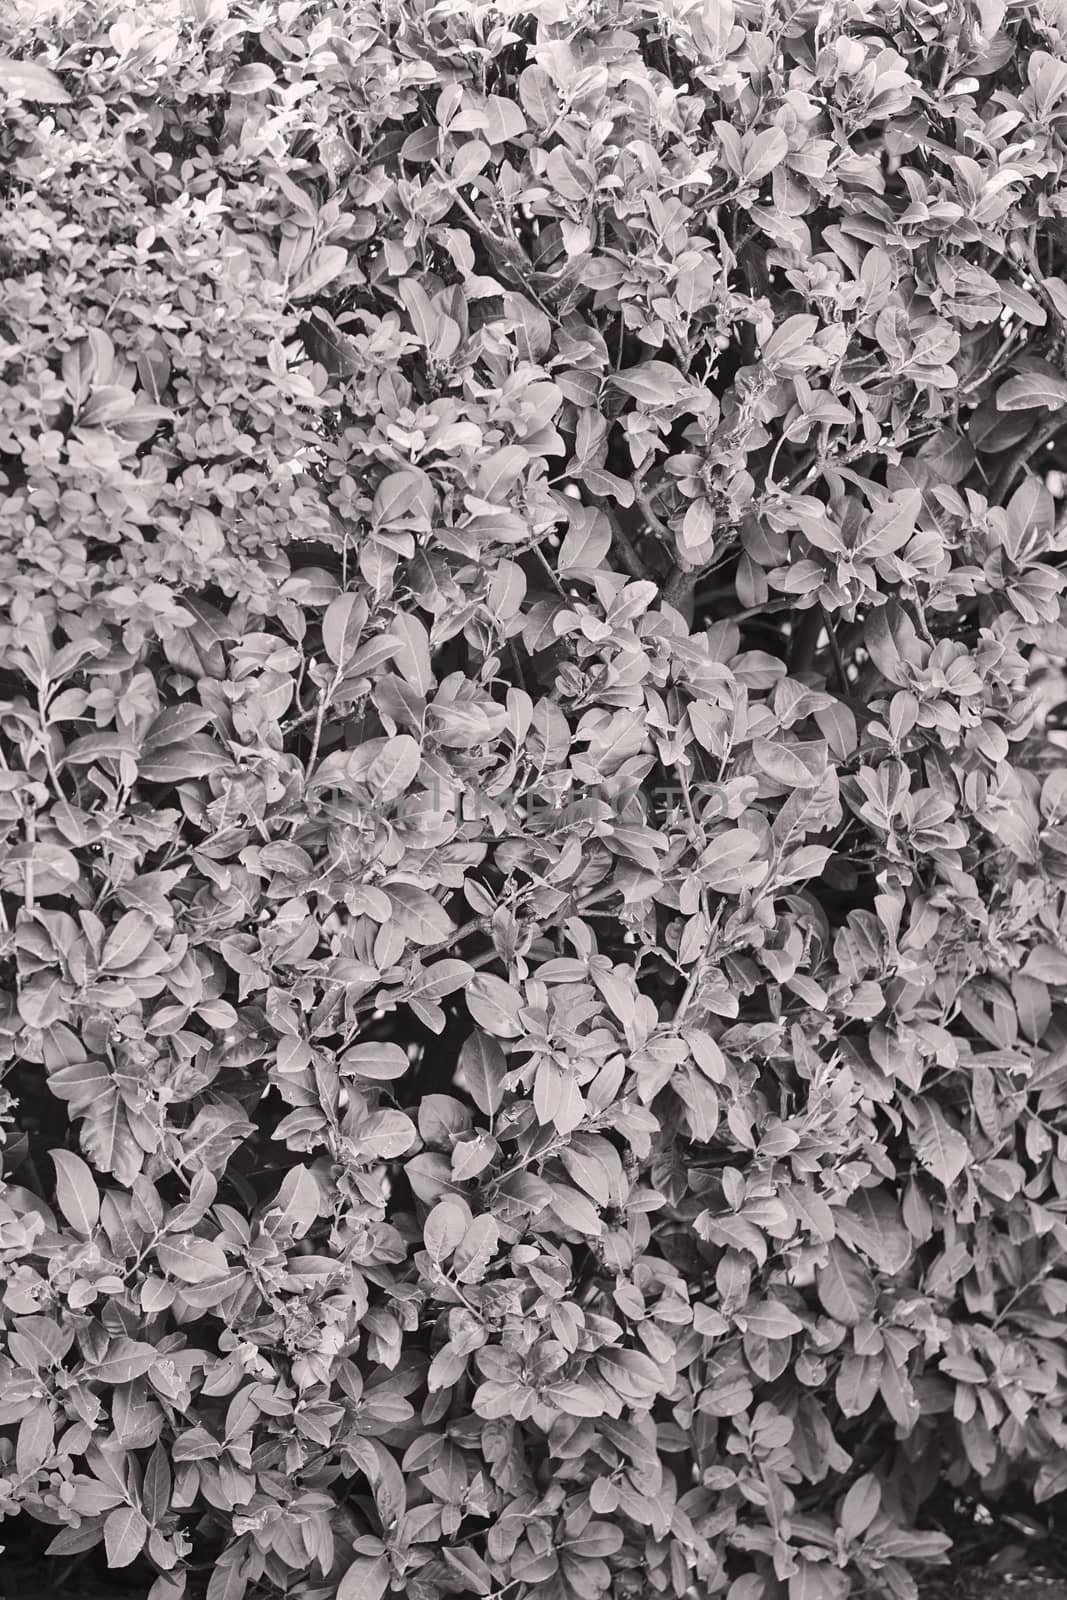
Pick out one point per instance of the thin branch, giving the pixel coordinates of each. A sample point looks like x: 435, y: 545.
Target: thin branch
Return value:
x: 621, y: 539
x: 765, y: 609
x: 680, y: 591
x: 804, y: 640
x: 509, y: 257
x: 1053, y: 424
x: 655, y: 522
x: 1039, y: 281
x: 835, y: 651
x: 680, y: 588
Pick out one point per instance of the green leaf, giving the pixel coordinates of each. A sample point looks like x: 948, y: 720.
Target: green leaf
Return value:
x: 342, y: 628
x: 816, y: 1580
x: 599, y: 1539
x: 417, y: 915
x: 125, y: 1360
x: 1032, y: 391
x: 468, y: 1565
x: 482, y: 1067
x: 445, y: 1228
x: 504, y: 120
x: 698, y: 525
x: 860, y: 1506
x: 385, y: 1134
x: 375, y: 1063
x: 781, y: 764
x: 190, y: 1259
x: 128, y: 940
x: 654, y: 383
x: 76, y: 1193
x: 296, y: 1205
x: 845, y: 1287
x: 942, y: 1150
x: 872, y: 1222
x: 98, y: 747
x: 890, y: 525
x: 477, y: 1249
x: 789, y: 337
x: 27, y: 80
x: 770, y: 1320
x: 395, y: 768
x: 125, y: 1533
x: 366, y: 1579
x: 158, y: 1485
x: 762, y: 154
x: 403, y: 499
x: 174, y: 726
x: 578, y: 1399
x: 1047, y: 964
x: 538, y: 94
x: 252, y: 79
x: 631, y: 1374
x: 856, y: 1384
x: 494, y: 1005
x: 725, y: 864
x: 575, y: 1211
x: 321, y: 267
x: 196, y: 757
x: 1051, y: 1480
x: 36, y: 1438
x: 106, y: 1137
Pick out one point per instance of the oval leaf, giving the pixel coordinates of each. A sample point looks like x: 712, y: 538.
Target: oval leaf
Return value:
x: 26, y: 80
x: 366, y: 1579
x: 76, y: 1193
x: 125, y: 1532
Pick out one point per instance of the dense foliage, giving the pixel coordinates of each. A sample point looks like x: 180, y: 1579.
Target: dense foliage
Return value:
x: 534, y: 936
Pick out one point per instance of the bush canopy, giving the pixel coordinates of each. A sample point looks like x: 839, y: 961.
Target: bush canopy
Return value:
x: 533, y: 924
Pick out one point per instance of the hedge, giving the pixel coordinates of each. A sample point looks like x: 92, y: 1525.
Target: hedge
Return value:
x: 532, y: 877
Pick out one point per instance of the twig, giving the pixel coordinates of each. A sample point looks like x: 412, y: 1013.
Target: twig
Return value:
x: 511, y: 258
x: 31, y: 840
x: 325, y: 697
x: 1054, y: 1260
x: 1005, y: 478
x: 765, y: 609
x: 680, y: 590
x: 1039, y: 280
x: 476, y: 925
x: 803, y: 642
x: 655, y: 522
x: 627, y: 549
x: 835, y: 650
x: 539, y: 553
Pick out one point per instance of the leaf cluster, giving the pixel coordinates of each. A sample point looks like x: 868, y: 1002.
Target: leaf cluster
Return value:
x: 532, y: 879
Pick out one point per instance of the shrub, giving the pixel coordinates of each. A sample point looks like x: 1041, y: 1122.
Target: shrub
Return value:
x: 532, y: 887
